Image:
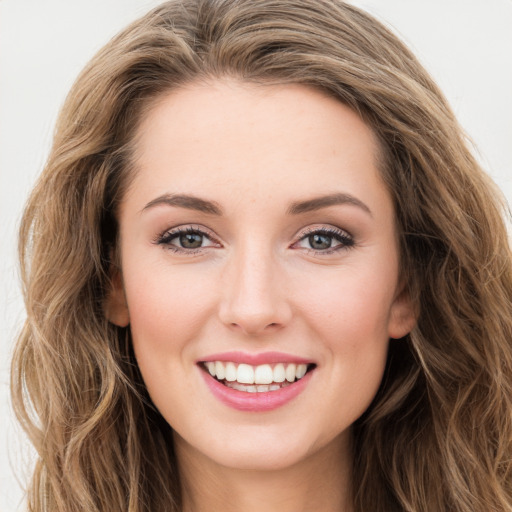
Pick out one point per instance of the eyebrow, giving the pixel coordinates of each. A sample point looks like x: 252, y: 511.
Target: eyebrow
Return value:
x: 320, y: 202
x: 185, y: 201
x: 296, y: 208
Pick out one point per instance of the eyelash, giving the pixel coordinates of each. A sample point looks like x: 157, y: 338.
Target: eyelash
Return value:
x: 166, y: 237
x: 346, y: 240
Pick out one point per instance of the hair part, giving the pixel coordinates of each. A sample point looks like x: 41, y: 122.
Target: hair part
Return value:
x: 438, y: 434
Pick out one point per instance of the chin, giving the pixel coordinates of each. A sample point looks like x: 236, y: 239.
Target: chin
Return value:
x: 260, y: 448
x: 259, y: 458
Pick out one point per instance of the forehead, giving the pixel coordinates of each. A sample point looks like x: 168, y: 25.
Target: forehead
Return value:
x: 271, y: 137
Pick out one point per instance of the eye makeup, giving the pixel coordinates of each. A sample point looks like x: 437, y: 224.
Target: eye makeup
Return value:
x: 191, y: 239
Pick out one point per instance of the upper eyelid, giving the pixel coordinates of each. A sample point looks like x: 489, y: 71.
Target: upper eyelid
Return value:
x: 302, y: 232
x: 345, y: 238
x: 328, y: 228
x: 188, y: 228
x: 175, y: 231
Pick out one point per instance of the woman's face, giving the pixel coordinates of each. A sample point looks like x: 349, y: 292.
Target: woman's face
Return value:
x: 258, y: 242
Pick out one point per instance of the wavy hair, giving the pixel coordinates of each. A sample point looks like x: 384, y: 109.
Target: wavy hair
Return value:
x: 438, y: 435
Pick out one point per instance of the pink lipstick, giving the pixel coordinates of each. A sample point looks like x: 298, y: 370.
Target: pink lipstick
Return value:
x: 256, y: 382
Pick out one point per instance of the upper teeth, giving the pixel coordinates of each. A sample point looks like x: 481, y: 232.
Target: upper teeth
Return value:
x: 261, y: 374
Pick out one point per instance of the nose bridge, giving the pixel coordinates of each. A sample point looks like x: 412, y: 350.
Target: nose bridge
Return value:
x: 253, y: 298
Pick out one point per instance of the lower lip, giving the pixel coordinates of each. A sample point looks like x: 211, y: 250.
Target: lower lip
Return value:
x: 255, y: 402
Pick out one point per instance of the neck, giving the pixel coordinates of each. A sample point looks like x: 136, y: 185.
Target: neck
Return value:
x: 319, y: 483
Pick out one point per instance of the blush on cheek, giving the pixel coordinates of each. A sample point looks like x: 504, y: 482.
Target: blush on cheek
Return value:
x: 165, y: 318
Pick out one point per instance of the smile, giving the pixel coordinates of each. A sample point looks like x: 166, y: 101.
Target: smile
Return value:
x: 256, y: 379
x: 256, y: 383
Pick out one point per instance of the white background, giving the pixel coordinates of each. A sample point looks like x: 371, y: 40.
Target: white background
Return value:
x: 465, y: 44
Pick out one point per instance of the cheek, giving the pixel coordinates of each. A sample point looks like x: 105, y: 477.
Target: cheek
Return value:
x: 168, y: 310
x: 168, y: 307
x: 350, y: 317
x: 351, y: 306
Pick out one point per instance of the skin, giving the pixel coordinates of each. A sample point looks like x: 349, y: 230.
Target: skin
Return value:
x: 256, y: 285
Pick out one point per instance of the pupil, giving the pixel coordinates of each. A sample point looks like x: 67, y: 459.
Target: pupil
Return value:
x: 318, y: 241
x: 191, y: 240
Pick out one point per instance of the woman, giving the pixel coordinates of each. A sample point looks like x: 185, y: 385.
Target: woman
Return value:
x: 264, y: 271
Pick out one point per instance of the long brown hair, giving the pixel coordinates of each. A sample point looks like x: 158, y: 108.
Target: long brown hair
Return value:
x: 438, y: 435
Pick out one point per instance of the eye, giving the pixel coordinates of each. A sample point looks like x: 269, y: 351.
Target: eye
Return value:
x: 325, y: 240
x: 320, y: 241
x: 187, y: 239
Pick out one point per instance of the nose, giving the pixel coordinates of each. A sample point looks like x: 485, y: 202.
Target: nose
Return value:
x: 254, y: 297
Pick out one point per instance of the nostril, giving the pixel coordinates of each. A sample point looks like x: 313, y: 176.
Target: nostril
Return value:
x: 255, y: 327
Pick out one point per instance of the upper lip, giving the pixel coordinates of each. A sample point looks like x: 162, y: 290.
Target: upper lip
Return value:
x: 255, y: 359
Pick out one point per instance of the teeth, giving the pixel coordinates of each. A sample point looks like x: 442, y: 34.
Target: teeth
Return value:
x: 301, y: 371
x: 279, y: 373
x: 261, y: 388
x: 244, y: 374
x: 211, y: 368
x: 263, y: 374
x: 259, y: 378
x: 291, y: 369
x: 231, y: 372
x: 220, y: 370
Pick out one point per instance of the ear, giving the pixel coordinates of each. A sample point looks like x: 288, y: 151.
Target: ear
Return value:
x: 403, y: 315
x: 116, y: 307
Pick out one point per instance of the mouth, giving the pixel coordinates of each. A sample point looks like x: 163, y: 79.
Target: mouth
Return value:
x: 260, y: 382
x: 263, y: 378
